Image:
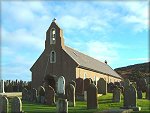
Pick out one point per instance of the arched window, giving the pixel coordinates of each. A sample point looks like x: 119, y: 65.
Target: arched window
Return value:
x: 53, y: 36
x: 53, y: 57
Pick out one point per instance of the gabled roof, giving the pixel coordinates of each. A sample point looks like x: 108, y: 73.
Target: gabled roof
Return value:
x: 85, y: 61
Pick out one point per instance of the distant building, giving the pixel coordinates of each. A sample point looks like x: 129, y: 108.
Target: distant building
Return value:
x: 58, y: 59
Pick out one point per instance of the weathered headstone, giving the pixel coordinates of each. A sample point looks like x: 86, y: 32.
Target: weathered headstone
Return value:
x: 41, y: 95
x: 139, y: 94
x: 33, y: 95
x: 79, y: 86
x: 4, y: 104
x: 102, y: 86
x: 24, y: 94
x: 16, y: 106
x: 148, y: 92
x: 126, y: 83
x: 61, y: 86
x: 49, y: 95
x: 62, y: 103
x: 70, y: 93
x: 92, y: 101
x: 116, y: 94
x: 87, y: 82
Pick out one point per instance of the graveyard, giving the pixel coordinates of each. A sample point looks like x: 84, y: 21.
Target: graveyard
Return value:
x: 68, y: 99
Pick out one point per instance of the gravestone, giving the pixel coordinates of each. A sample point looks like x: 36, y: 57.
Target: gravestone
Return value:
x: 70, y: 93
x: 116, y: 94
x: 110, y: 87
x: 79, y: 86
x: 148, y: 92
x: 41, y: 95
x: 102, y: 86
x: 139, y: 94
x: 92, y: 101
x: 49, y: 95
x: 16, y: 106
x: 126, y: 83
x: 2, y: 86
x: 24, y: 94
x: 62, y: 103
x: 4, y: 104
x: 61, y: 87
x: 130, y: 98
x: 33, y: 95
x: 87, y: 82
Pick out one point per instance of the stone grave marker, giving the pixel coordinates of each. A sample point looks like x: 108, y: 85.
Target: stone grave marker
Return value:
x: 126, y: 83
x: 139, y: 94
x: 41, y: 95
x: 49, y: 95
x: 4, y: 104
x: 62, y: 103
x: 34, y: 95
x: 61, y: 86
x: 92, y: 101
x: 70, y: 93
x: 79, y: 86
x: 148, y: 92
x: 16, y: 106
x: 24, y: 94
x: 116, y: 94
x: 87, y: 82
x: 102, y: 86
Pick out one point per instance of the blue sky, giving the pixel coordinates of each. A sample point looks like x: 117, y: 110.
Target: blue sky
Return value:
x: 116, y: 31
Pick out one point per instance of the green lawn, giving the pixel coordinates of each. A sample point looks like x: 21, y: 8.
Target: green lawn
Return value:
x: 104, y: 102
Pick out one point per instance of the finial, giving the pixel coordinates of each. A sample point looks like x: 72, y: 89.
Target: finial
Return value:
x: 54, y: 20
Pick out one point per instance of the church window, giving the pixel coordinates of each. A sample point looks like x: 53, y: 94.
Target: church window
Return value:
x: 53, y: 36
x: 53, y: 57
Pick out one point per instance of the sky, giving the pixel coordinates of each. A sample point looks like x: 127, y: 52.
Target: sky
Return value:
x: 116, y: 31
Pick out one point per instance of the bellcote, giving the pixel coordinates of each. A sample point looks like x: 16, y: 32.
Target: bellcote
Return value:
x: 54, y: 36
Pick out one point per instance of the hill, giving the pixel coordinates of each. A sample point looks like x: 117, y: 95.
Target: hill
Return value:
x: 135, y: 71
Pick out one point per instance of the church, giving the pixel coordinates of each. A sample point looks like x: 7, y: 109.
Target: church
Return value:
x: 58, y: 59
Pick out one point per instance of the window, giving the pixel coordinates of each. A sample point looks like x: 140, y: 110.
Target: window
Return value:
x: 52, y: 57
x: 53, y: 36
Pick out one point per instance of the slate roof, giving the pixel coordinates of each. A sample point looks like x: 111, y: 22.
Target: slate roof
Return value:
x: 87, y: 62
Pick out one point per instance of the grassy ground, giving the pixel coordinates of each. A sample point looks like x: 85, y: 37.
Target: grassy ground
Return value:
x: 104, y: 102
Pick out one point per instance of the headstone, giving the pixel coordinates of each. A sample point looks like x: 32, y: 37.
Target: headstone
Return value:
x: 16, y: 106
x: 148, y: 92
x: 61, y: 86
x: 2, y: 86
x: 4, y: 104
x: 139, y: 94
x: 116, y: 94
x: 24, y: 94
x: 70, y: 92
x: 110, y: 87
x: 92, y: 101
x: 33, y: 95
x: 126, y: 83
x: 87, y: 82
x: 62, y: 103
x: 79, y: 86
x: 41, y: 95
x: 102, y: 86
x: 62, y: 106
x: 49, y: 95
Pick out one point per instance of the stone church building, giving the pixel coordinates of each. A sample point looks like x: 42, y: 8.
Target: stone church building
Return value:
x: 58, y: 59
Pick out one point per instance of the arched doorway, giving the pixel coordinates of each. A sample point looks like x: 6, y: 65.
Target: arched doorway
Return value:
x: 50, y: 81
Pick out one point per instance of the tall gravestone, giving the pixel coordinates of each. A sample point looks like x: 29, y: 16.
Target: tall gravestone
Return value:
x: 62, y: 104
x: 33, y: 95
x: 116, y: 94
x: 41, y: 95
x: 139, y: 94
x: 148, y: 92
x: 70, y: 94
x: 4, y: 104
x: 16, y: 106
x: 24, y: 94
x: 92, y: 101
x: 49, y: 95
x: 102, y: 86
x: 126, y: 83
x: 87, y: 82
x: 79, y: 86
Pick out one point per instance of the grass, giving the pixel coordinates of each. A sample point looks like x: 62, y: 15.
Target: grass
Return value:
x: 104, y: 103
